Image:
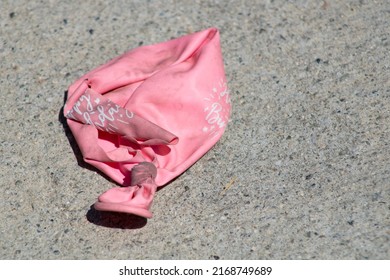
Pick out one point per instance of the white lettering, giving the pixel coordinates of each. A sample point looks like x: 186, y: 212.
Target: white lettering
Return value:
x: 214, y: 115
x: 214, y: 109
x: 104, y: 115
x: 88, y: 99
x: 87, y: 118
x: 129, y: 115
x: 76, y: 108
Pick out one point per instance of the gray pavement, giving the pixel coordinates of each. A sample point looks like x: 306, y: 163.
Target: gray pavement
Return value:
x: 306, y: 155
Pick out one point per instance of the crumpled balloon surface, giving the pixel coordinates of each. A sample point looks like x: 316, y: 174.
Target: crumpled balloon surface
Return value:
x: 146, y: 116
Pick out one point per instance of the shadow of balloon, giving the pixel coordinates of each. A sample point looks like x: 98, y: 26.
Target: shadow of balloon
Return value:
x: 115, y: 219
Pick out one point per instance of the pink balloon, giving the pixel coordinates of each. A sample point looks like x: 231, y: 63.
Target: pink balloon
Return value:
x: 146, y: 116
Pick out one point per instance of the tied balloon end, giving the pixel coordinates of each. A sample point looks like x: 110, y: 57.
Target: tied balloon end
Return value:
x: 135, y: 199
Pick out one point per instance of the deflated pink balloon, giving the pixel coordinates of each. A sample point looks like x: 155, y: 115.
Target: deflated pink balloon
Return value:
x: 146, y: 116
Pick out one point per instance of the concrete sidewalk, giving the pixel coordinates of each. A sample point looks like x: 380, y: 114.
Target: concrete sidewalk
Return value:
x: 306, y: 154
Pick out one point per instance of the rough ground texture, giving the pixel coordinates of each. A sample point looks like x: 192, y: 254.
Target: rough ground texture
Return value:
x: 306, y: 154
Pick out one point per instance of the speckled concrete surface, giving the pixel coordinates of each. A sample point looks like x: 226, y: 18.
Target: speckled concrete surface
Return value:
x: 307, y: 149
